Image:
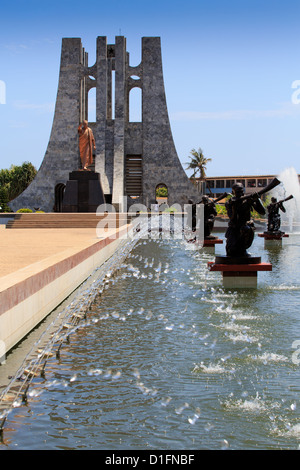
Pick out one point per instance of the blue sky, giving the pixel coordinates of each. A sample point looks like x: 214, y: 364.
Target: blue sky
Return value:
x: 228, y: 71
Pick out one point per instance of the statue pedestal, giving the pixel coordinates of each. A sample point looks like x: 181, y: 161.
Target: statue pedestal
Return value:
x: 83, y: 192
x: 273, y: 238
x: 210, y: 243
x: 239, y: 272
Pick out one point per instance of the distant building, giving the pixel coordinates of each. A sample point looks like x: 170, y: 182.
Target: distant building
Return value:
x: 216, y: 185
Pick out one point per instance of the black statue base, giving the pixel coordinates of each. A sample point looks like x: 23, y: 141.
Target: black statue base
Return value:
x: 239, y: 271
x: 273, y: 235
x: 238, y: 260
x: 210, y: 242
x: 83, y: 192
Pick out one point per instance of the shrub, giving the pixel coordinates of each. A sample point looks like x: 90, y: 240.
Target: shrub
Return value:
x: 162, y: 192
x: 221, y: 209
x: 24, y: 210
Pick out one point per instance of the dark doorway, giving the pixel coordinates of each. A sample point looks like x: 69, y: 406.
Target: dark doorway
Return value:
x: 59, y: 195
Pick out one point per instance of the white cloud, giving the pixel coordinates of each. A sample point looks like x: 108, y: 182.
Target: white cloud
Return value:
x: 41, y: 107
x: 16, y: 48
x: 285, y: 110
x: 18, y: 125
x: 2, y: 92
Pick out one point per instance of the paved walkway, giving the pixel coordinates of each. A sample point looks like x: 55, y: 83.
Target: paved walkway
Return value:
x: 26, y: 252
x: 20, y: 248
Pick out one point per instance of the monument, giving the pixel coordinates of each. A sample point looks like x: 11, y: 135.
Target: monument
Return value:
x: 132, y: 158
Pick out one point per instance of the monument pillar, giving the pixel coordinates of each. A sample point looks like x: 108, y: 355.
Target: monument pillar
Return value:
x: 119, y: 126
x: 102, y: 78
x: 62, y: 154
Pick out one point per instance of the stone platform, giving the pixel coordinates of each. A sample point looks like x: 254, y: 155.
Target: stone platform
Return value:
x: 210, y: 243
x: 83, y: 192
x: 239, y: 272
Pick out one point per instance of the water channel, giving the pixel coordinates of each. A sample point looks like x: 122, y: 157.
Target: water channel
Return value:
x: 168, y: 359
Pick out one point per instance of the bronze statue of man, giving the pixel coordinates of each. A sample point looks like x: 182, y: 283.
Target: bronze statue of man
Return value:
x: 210, y: 213
x: 86, y: 144
x: 240, y: 231
x: 274, y: 220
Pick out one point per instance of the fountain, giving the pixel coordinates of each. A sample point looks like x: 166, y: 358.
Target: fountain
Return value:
x: 167, y: 358
x: 290, y: 185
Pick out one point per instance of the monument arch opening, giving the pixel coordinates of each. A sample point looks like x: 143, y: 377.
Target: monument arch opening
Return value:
x: 161, y: 194
x: 135, y: 105
x: 91, y: 102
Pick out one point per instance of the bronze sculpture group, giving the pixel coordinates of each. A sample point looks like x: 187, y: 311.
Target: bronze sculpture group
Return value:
x: 240, y: 231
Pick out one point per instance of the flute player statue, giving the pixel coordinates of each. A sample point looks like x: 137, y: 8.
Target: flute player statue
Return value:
x: 274, y: 219
x: 240, y: 231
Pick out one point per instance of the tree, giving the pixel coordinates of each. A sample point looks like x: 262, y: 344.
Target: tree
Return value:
x: 17, y: 178
x: 198, y: 163
x: 4, y: 200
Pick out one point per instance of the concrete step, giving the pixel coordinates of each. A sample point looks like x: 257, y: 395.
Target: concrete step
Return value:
x: 66, y: 220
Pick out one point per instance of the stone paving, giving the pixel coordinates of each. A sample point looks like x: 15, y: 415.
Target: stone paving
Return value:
x: 21, y: 248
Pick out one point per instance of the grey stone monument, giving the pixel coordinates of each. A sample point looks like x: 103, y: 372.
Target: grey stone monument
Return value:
x: 132, y: 158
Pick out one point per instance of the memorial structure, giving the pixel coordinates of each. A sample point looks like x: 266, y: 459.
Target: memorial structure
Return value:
x: 132, y: 158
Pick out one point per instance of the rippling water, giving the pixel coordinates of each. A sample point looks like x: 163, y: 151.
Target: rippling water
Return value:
x: 168, y: 359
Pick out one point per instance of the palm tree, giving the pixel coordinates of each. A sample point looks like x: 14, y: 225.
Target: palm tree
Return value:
x: 198, y: 163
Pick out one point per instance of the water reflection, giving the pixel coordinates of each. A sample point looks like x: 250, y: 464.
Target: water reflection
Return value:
x: 167, y: 358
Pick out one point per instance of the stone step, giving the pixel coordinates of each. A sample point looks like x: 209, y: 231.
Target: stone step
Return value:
x: 66, y: 220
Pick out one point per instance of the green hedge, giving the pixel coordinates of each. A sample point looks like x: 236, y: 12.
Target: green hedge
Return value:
x: 24, y: 210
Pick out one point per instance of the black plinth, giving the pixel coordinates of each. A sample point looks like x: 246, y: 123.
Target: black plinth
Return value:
x: 278, y: 235
x: 83, y: 192
x: 237, y: 260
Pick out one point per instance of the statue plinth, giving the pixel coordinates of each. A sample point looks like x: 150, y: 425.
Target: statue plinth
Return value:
x: 273, y: 238
x: 278, y: 235
x: 239, y: 271
x: 210, y: 242
x: 83, y: 192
